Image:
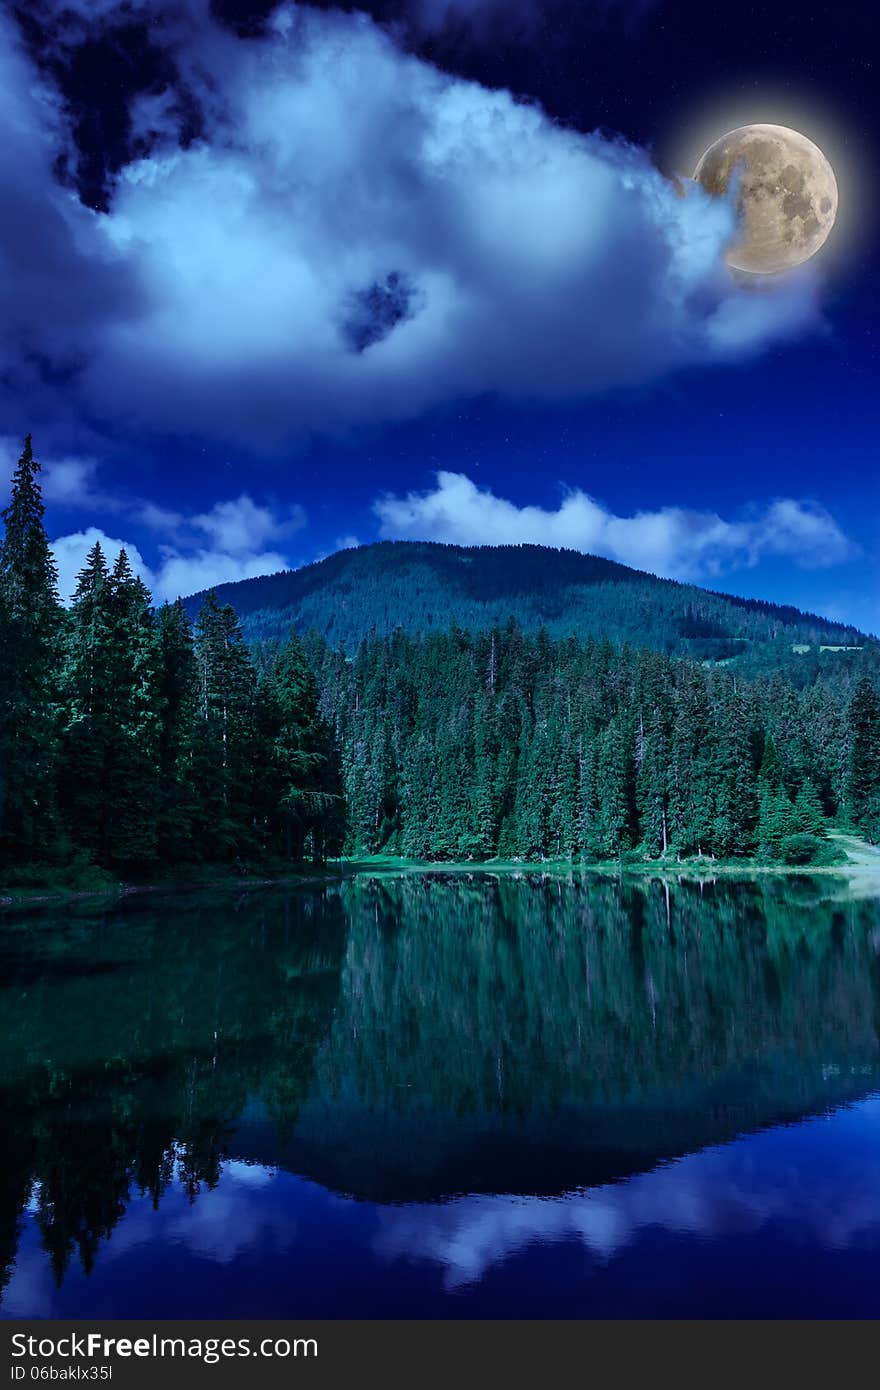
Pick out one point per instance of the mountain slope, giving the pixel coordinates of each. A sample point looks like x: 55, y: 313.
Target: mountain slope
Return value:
x: 419, y: 586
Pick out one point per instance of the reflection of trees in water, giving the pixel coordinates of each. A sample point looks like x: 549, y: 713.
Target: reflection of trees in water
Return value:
x: 504, y: 995
x: 134, y: 1041
x: 385, y: 1028
x: 497, y: 1034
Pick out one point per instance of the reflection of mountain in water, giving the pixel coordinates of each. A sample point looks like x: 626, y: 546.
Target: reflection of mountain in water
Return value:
x: 535, y: 1036
x: 407, y: 1038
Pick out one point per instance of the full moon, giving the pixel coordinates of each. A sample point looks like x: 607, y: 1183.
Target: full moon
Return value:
x: 786, y: 195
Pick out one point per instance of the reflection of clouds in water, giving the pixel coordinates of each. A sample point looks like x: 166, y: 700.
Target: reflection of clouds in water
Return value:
x: 223, y: 1223
x: 796, y: 1176
x: 819, y: 1180
x: 31, y: 1291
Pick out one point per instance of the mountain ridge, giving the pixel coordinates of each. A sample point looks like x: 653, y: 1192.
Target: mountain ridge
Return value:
x: 427, y: 585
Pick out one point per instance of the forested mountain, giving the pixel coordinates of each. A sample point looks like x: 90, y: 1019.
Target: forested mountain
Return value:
x: 423, y: 587
x: 130, y: 737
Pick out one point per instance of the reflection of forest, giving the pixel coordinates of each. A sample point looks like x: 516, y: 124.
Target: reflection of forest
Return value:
x: 413, y: 1036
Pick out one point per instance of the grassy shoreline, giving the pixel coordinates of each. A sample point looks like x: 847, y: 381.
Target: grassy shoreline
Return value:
x: 862, y: 861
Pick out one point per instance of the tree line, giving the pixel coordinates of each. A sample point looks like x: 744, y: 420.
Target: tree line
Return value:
x: 130, y: 737
x: 461, y: 745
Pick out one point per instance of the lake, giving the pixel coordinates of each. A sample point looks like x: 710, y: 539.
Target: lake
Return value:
x: 444, y: 1095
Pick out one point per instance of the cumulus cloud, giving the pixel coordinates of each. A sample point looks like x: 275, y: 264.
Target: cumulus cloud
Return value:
x: 70, y: 482
x: 181, y: 574
x: 227, y: 543
x: 71, y: 552
x: 66, y: 481
x: 356, y: 236
x: 671, y: 541
x: 242, y: 525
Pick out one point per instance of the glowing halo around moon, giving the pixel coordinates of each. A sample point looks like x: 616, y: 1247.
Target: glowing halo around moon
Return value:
x: 785, y: 194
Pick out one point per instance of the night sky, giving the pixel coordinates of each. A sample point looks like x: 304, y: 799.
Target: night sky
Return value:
x: 283, y: 279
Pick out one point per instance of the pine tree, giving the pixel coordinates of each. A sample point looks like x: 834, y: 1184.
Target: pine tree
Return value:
x: 614, y: 792
x: 777, y: 820
x: 304, y: 814
x: 224, y: 764
x: 770, y: 773
x: 863, y: 773
x: 87, y: 682
x: 732, y: 776
x: 652, y: 783
x: 30, y: 626
x: 691, y: 793
x: 177, y: 702
x: 131, y: 788
x: 808, y: 813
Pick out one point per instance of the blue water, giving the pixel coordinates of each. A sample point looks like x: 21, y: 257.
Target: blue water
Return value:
x: 780, y: 1224
x: 683, y: 1121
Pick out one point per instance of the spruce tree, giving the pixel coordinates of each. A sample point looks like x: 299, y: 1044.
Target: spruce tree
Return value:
x: 302, y: 772
x: 30, y: 625
x: 808, y: 813
x: 777, y: 820
x: 863, y: 772
x: 691, y: 791
x: 131, y: 787
x: 732, y: 773
x: 177, y: 703
x: 225, y: 741
x: 614, y: 792
x: 89, y: 699
x: 652, y: 783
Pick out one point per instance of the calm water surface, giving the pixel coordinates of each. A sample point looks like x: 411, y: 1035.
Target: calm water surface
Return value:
x: 444, y: 1095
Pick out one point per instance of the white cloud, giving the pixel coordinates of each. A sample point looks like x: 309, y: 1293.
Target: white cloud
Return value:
x: 158, y: 518
x: 243, y: 525
x: 671, y: 541
x: 182, y: 574
x: 237, y: 531
x: 357, y: 237
x: 66, y: 480
x: 71, y: 552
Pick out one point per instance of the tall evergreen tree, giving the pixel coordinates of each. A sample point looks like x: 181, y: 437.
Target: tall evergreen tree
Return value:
x: 30, y: 626
x: 652, y: 760
x: 863, y: 775
x: 225, y: 738
x: 88, y: 733
x: 302, y: 777
x: 808, y: 810
x: 131, y: 788
x: 178, y: 700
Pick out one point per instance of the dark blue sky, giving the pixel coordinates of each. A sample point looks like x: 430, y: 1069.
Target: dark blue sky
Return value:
x: 279, y: 279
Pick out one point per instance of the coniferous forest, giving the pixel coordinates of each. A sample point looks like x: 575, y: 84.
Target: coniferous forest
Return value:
x: 132, y: 738
x: 471, y: 746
